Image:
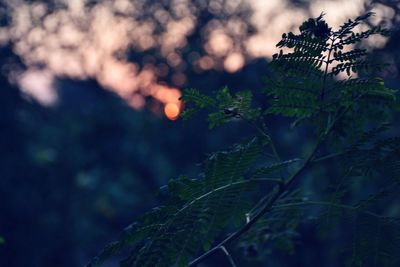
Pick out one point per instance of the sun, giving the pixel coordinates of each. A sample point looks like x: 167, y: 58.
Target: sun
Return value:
x: 172, y: 111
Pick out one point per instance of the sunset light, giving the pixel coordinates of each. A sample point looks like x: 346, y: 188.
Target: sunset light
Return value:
x: 172, y: 111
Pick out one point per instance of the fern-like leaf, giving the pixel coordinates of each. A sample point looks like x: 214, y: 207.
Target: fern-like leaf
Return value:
x: 194, y: 215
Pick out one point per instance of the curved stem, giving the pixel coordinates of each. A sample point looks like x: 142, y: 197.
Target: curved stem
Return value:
x: 276, y: 194
x: 278, y: 191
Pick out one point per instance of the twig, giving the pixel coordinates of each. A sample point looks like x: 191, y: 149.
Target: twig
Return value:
x: 330, y: 156
x: 263, y: 133
x: 229, y: 257
x: 326, y: 71
x: 275, y: 195
x: 323, y: 203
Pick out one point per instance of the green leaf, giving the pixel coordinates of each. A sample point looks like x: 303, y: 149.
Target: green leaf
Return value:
x: 197, y: 210
x: 195, y: 97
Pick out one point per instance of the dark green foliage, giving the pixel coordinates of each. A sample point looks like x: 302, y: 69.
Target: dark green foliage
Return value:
x: 346, y: 117
x: 303, y: 82
x: 196, y: 212
x: 224, y: 108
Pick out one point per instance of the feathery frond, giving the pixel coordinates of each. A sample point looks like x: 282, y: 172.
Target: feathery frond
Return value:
x: 196, y: 212
x: 304, y: 83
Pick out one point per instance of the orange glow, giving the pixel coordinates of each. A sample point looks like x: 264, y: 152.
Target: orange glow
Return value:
x: 172, y: 111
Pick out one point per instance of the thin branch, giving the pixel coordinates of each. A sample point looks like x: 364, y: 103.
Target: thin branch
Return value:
x: 263, y: 130
x: 276, y: 194
x: 221, y: 188
x: 326, y: 71
x: 264, y: 133
x: 257, y: 207
x: 228, y: 256
x: 273, y: 147
x: 330, y: 156
x: 323, y: 203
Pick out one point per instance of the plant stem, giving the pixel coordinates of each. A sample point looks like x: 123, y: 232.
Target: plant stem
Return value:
x: 231, y: 261
x: 277, y: 192
x: 275, y: 195
x: 330, y: 156
x: 326, y: 72
x: 322, y: 203
x: 264, y: 133
x: 268, y: 205
x: 221, y: 188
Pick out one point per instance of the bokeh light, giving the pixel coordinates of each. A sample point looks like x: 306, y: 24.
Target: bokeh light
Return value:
x: 83, y: 39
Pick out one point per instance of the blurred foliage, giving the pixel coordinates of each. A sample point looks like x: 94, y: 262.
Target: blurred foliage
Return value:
x: 226, y: 106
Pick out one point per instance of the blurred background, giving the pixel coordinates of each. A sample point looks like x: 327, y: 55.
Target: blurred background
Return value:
x: 89, y: 101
